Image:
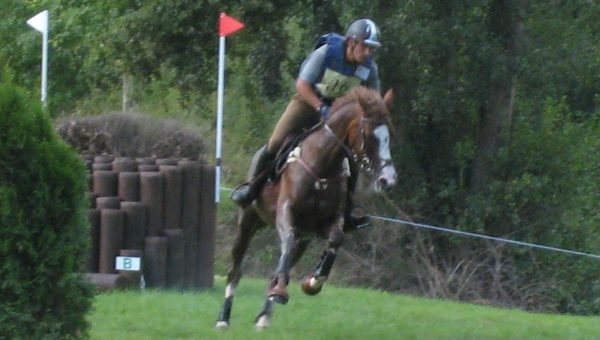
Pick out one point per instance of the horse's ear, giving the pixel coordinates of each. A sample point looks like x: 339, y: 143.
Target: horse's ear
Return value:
x: 388, y: 98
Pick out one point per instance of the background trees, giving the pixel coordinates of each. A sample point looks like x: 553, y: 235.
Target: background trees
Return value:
x: 497, y: 118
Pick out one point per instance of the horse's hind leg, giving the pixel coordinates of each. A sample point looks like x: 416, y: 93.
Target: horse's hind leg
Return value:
x: 248, y: 224
x: 313, y: 283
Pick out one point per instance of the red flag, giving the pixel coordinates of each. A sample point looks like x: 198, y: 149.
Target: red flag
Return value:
x: 228, y: 25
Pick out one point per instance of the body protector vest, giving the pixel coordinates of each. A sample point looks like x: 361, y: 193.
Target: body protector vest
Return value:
x: 339, y: 76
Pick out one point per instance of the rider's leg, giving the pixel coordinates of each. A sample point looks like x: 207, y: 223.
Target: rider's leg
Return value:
x: 259, y: 173
x: 351, y: 221
x: 296, y: 116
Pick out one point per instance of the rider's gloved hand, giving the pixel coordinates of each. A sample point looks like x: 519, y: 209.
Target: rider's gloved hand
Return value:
x: 324, y: 111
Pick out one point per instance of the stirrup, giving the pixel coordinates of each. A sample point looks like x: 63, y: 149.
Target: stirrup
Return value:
x: 354, y: 222
x: 357, y: 222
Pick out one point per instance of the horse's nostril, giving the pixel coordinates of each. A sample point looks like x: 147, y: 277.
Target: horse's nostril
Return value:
x: 383, y: 182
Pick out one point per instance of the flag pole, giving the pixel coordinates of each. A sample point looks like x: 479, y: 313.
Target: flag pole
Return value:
x: 45, y: 68
x: 40, y: 23
x: 220, y: 90
x: 227, y: 25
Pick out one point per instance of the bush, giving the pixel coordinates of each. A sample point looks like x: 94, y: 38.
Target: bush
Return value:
x: 132, y: 135
x: 43, y: 228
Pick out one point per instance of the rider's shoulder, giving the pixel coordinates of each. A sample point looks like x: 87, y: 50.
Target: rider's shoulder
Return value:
x: 328, y: 39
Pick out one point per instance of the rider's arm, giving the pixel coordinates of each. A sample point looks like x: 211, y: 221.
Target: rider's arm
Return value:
x: 307, y: 93
x: 310, y: 73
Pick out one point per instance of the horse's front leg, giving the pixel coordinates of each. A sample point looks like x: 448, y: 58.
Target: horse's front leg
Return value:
x: 277, y: 290
x: 313, y: 284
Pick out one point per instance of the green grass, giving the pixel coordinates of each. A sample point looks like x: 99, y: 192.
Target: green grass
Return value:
x: 337, y: 313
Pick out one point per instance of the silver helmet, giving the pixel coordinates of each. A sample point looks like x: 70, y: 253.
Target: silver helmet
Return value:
x: 366, y: 31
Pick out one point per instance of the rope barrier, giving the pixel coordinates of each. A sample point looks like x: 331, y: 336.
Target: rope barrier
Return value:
x: 475, y: 235
x: 485, y: 237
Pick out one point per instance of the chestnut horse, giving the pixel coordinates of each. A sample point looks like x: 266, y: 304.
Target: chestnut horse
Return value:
x: 310, y: 195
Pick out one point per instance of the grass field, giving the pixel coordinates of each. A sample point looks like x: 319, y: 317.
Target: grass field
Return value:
x: 336, y: 313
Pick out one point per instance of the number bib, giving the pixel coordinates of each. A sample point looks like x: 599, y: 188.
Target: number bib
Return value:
x: 334, y: 84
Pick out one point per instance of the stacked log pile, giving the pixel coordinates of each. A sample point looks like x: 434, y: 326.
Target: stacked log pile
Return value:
x: 161, y: 210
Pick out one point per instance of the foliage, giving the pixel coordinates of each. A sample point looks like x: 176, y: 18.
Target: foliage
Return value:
x: 131, y: 135
x: 42, y: 225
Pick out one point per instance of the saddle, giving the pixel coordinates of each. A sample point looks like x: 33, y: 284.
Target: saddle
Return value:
x: 290, y: 143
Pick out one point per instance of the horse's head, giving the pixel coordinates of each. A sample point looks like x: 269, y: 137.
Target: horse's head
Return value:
x: 370, y: 134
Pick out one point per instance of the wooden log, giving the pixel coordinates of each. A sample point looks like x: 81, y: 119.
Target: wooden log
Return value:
x: 145, y: 161
x: 94, y: 250
x: 147, y: 167
x: 101, y: 167
x: 134, y: 231
x: 190, y: 197
x: 111, y: 238
x: 129, y: 186
x: 104, y: 281
x: 105, y: 183
x: 155, y: 261
x: 151, y: 193
x: 172, y: 196
x: 110, y: 202
x: 175, y: 262
x: 166, y: 161
x: 124, y: 164
x: 207, y: 226
x: 103, y: 158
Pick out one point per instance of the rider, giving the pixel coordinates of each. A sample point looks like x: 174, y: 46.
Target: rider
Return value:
x: 338, y: 64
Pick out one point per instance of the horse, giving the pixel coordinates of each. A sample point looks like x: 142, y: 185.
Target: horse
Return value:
x: 309, y: 197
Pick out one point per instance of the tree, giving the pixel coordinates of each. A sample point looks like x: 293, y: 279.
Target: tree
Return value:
x: 43, y: 225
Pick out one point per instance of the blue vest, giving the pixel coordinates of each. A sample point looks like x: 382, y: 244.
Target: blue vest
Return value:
x: 335, y: 58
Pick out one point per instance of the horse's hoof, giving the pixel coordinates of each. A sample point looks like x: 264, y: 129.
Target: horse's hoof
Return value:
x: 280, y: 299
x: 222, y: 325
x: 311, y: 286
x: 262, y: 322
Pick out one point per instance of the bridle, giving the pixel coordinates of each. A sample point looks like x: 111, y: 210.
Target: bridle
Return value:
x: 361, y: 156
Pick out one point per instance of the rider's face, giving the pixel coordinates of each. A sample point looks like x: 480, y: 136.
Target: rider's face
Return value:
x: 359, y: 52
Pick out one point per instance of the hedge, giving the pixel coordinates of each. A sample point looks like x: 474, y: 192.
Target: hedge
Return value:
x: 43, y: 229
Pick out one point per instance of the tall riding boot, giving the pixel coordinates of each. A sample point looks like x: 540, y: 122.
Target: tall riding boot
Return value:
x: 353, y: 222
x: 248, y: 191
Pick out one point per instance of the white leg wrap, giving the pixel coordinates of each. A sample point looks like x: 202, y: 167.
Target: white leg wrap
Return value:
x: 222, y: 325
x: 263, y: 322
x: 229, y: 290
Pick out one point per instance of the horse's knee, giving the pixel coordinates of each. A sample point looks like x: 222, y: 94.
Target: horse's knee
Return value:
x: 234, y: 276
x: 336, y: 237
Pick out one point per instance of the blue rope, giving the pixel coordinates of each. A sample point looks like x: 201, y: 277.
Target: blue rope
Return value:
x: 485, y: 237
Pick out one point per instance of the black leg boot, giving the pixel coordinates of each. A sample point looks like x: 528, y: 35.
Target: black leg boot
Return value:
x: 248, y: 191
x: 353, y: 222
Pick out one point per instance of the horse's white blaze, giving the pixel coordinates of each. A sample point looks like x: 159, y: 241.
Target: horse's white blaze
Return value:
x: 382, y: 133
x: 388, y: 172
x: 229, y: 290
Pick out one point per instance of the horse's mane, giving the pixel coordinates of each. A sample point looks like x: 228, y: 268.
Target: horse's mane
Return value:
x: 370, y: 101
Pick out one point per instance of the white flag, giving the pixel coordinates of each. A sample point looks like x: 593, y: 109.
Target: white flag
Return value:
x: 39, y: 22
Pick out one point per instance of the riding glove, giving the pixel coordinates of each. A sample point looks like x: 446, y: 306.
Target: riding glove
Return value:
x: 324, y: 111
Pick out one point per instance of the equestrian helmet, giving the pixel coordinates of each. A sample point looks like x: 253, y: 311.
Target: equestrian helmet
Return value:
x: 366, y: 31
